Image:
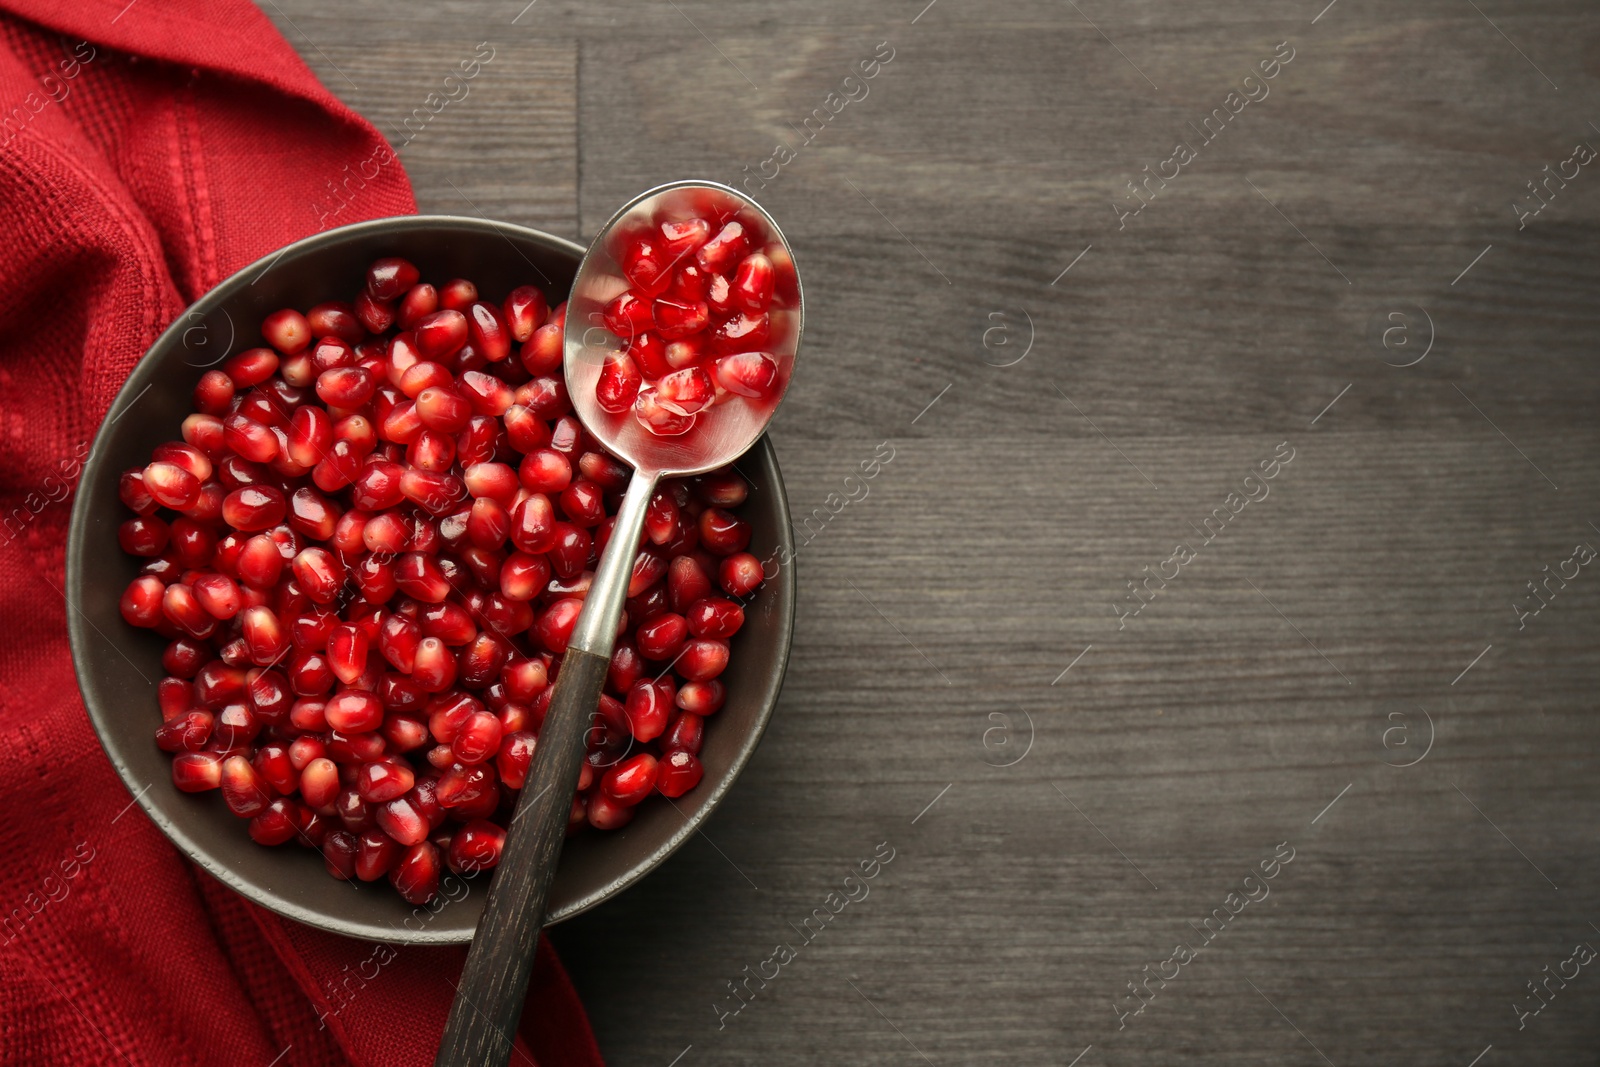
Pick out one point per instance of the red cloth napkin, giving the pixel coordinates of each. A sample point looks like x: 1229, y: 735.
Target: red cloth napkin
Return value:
x: 147, y: 150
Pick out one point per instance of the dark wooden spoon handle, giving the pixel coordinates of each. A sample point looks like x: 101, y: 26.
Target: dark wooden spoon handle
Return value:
x: 483, y: 1020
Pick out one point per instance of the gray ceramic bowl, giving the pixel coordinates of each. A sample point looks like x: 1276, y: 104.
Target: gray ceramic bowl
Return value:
x: 118, y: 665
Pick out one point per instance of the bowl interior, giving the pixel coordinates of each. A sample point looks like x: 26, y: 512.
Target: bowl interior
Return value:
x: 118, y: 666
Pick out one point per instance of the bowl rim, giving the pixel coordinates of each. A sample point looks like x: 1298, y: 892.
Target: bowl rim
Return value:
x: 145, y: 374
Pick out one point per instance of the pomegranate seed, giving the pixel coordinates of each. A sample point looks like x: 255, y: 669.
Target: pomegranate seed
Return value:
x: 242, y: 788
x: 402, y: 819
x: 214, y: 392
x: 433, y: 667
x: 488, y: 331
x: 335, y: 319
x: 440, y: 334
x: 685, y: 734
x: 647, y: 265
x: 631, y: 780
x: 753, y: 283
x: 658, y: 418
x: 189, y: 732
x: 416, y: 876
x: 679, y: 772
x: 287, y: 331
x: 354, y: 711
x: 339, y: 851
x: 476, y: 847
x: 715, y: 617
x: 345, y: 387
x: 719, y: 295
x: 685, y: 392
x: 390, y: 277
x: 319, y: 574
x: 144, y: 535
x: 619, y: 383
x: 418, y: 303
x: 171, y: 486
x: 263, y: 635
x: 525, y: 311
x: 684, y: 238
x: 384, y: 779
x: 628, y: 315
x: 584, y: 503
x: 457, y: 293
x: 702, y: 659
x: 648, y: 708
x: 332, y: 353
x: 542, y: 354
x: 744, y: 332
x: 606, y: 814
x: 515, y: 757
x: 751, y: 374
x: 722, y: 532
x: 376, y: 855
x: 255, y: 507
x: 649, y: 353
x: 196, y: 772
x: 687, y: 582
x: 679, y: 318
x: 724, y: 250
x: 702, y: 698
x: 132, y: 492
x: 319, y: 784
x: 662, y: 637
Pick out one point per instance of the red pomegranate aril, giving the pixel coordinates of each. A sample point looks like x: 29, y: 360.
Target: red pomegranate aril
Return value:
x: 402, y: 820
x: 662, y: 637
x: 647, y: 265
x: 687, y: 392
x: 492, y: 481
x: 618, y: 385
x: 443, y: 408
x: 687, y: 582
x: 263, y: 635
x: 689, y: 283
x: 348, y: 647
x: 542, y: 353
x: 703, y: 659
x: 488, y: 331
x: 515, y: 757
x: 189, y: 732
x: 335, y: 319
x: 478, y: 738
x: 715, y: 617
x: 390, y: 277
x: 303, y: 750
x: 375, y: 316
x: 533, y: 525
x: 242, y: 788
x: 702, y: 698
x: 525, y: 311
x: 287, y: 331
x: 184, y: 657
x: 171, y: 486
x: 749, y: 374
x: 383, y: 780
x: 658, y: 418
x: 722, y: 532
x: 523, y: 576
x: 250, y: 439
x: 197, y: 772
x: 416, y: 876
x: 419, y: 301
x: 744, y: 332
x: 753, y: 283
x: 685, y: 734
x: 678, y: 773
x: 132, y: 492
x: 376, y: 854
x: 354, y: 711
x: 569, y: 555
x: 604, y: 813
x: 255, y: 507
x: 648, y: 567
x: 183, y: 610
x: 628, y: 315
x: 649, y: 707
x: 486, y: 394
x: 631, y: 780
x: 214, y: 392
x: 476, y: 847
x: 319, y: 784
x: 143, y: 535
x: 555, y: 626
x: 683, y: 238
x: 345, y: 387
x: 721, y: 252
x: 434, y: 666
x: 584, y: 503
x: 457, y: 293
x: 679, y: 318
x: 271, y: 762
x: 649, y: 353
x: 440, y: 334
x: 176, y: 696
x: 310, y: 513
x: 319, y: 574
x: 332, y: 353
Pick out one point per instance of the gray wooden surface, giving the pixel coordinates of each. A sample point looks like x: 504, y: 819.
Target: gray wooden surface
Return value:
x: 1296, y: 660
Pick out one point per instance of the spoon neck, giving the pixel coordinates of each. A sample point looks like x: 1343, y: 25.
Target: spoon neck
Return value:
x: 596, y: 628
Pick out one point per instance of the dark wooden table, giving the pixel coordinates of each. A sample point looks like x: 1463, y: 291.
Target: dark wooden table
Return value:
x: 1340, y: 668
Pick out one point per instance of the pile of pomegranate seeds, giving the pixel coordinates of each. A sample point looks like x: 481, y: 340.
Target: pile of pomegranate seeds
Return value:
x: 695, y: 322
x: 369, y: 551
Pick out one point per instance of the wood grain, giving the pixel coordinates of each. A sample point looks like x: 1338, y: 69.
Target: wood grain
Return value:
x: 1266, y: 681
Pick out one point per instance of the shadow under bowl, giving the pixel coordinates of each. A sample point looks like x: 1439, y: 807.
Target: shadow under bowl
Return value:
x: 118, y: 665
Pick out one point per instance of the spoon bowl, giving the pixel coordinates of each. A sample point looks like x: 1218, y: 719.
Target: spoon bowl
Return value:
x: 726, y: 431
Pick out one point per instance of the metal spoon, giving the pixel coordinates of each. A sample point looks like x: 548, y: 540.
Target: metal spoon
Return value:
x: 494, y: 982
